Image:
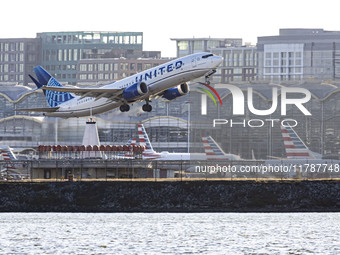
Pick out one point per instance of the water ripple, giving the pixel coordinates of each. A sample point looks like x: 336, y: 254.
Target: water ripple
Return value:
x: 169, y: 233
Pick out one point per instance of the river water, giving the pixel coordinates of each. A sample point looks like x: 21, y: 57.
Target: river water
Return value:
x: 169, y: 233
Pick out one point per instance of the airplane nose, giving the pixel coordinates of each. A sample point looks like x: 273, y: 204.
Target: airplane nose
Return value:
x: 218, y: 60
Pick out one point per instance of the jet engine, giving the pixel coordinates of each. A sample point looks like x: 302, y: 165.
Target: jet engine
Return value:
x: 175, y: 92
x: 135, y: 91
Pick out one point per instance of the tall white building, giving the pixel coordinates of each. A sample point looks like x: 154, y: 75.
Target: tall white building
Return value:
x: 299, y: 54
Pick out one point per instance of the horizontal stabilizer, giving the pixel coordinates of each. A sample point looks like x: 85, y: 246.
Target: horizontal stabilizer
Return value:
x: 46, y: 109
x: 79, y: 90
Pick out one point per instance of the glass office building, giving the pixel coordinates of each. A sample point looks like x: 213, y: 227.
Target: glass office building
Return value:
x: 299, y: 54
x: 61, y: 51
x: 186, y: 46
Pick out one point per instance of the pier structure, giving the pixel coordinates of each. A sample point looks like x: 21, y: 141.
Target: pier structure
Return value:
x: 91, y: 138
x: 82, y: 169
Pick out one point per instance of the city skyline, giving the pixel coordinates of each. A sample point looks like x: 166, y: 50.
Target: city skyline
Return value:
x: 247, y: 19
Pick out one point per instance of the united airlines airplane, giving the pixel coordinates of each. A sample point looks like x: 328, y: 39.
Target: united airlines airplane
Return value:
x: 168, y: 81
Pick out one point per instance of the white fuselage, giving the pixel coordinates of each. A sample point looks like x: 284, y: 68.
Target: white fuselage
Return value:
x: 158, y: 79
x: 164, y: 155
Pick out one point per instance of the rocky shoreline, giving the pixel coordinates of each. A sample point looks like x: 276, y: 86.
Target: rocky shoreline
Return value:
x: 164, y: 196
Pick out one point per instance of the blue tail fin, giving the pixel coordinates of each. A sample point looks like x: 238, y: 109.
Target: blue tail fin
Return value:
x: 42, y: 75
x: 54, y: 98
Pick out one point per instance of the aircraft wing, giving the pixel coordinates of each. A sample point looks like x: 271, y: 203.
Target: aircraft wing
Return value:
x: 112, y: 94
x: 46, y: 109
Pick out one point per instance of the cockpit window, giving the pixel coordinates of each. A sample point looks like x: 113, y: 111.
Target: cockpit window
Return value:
x: 209, y: 55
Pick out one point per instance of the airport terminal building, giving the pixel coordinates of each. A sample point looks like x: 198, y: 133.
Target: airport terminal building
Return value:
x: 172, y: 126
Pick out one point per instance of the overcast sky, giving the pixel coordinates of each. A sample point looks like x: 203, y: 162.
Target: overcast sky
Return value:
x: 162, y: 20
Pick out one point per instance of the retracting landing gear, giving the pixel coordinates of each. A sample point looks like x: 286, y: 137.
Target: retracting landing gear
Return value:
x: 147, y: 107
x: 207, y: 76
x: 124, y: 108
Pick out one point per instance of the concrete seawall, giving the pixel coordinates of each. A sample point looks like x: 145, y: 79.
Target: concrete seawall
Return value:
x: 191, y: 196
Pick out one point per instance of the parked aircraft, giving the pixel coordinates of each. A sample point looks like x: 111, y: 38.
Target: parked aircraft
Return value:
x: 11, y: 166
x: 149, y: 153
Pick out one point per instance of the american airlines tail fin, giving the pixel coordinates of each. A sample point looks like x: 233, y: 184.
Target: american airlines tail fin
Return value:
x: 132, y: 141
x: 54, y: 98
x: 212, y: 149
x: 143, y: 138
x: 214, y: 152
x: 11, y: 168
x: 295, y: 147
x: 7, y: 153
